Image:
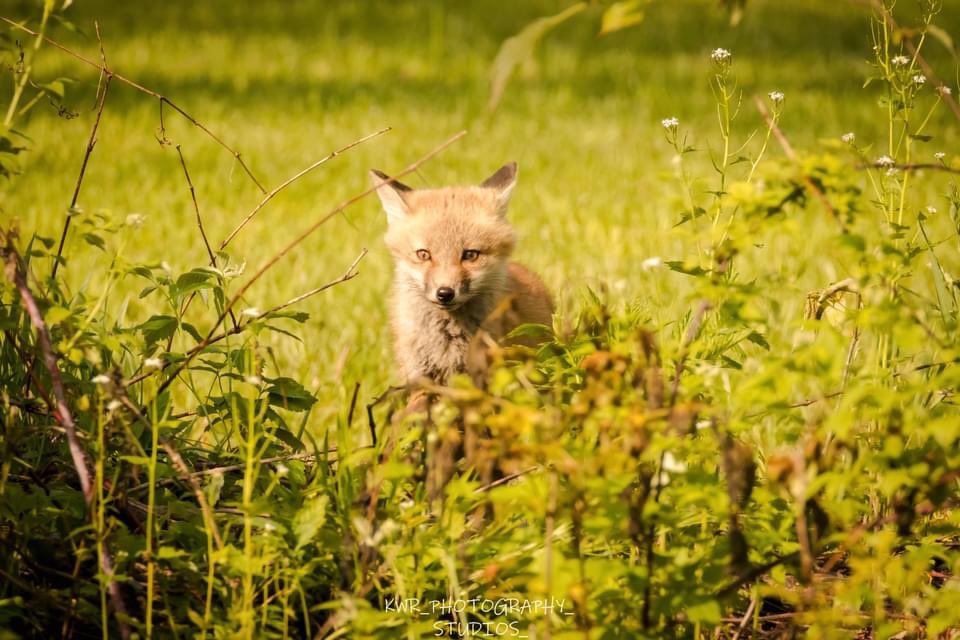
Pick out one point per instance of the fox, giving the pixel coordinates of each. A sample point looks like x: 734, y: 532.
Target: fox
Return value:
x: 454, y: 282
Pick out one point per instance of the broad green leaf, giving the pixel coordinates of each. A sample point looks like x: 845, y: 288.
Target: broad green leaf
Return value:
x: 520, y: 47
x: 310, y: 519
x: 621, y: 15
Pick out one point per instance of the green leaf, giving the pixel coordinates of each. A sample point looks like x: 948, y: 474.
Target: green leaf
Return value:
x: 95, y: 240
x: 532, y: 330
x: 682, y: 267
x: 213, y: 488
x: 520, y: 48
x: 289, y: 394
x: 287, y: 438
x: 57, y: 87
x: 170, y: 553
x: 621, y: 15
x: 296, y: 316
x: 56, y: 315
x: 193, y: 280
x: 705, y: 613
x: 157, y: 328
x: 192, y: 330
x: 310, y: 519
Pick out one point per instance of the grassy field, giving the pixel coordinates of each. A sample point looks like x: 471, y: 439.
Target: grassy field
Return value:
x: 286, y: 83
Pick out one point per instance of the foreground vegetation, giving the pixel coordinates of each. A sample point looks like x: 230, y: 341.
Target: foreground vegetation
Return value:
x: 742, y: 423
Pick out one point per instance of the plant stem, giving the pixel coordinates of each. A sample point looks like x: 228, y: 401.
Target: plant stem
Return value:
x: 24, y: 78
x: 151, y: 509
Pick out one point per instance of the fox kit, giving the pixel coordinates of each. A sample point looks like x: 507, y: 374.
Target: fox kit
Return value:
x: 454, y: 279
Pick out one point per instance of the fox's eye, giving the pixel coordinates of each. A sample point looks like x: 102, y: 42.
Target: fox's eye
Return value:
x: 469, y: 255
x: 423, y: 254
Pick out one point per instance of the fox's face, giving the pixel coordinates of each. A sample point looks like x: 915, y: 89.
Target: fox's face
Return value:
x: 450, y: 245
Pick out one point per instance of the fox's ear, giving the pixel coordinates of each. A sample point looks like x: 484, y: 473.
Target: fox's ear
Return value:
x: 503, y: 181
x: 391, y: 196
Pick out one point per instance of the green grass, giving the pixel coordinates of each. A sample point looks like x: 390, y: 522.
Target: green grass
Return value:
x: 287, y: 82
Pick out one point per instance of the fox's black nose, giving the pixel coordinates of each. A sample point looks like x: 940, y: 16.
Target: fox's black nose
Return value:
x: 445, y: 295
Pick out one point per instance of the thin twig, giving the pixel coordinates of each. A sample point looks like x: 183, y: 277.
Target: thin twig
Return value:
x: 745, y: 619
x: 350, y: 274
x: 91, y: 142
x: 203, y: 234
x: 196, y: 207
x: 353, y: 402
x: 290, y: 247
x: 239, y: 467
x: 753, y: 573
x: 504, y: 480
x: 913, y: 166
x: 286, y: 183
x: 181, y: 466
x: 371, y: 422
x: 62, y: 410
x: 267, y: 198
x: 792, y: 155
x: 187, y: 475
x: 139, y: 87
x: 63, y: 415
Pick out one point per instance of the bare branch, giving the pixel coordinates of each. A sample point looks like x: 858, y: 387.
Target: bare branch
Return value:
x: 196, y: 208
x: 914, y: 166
x: 91, y: 142
x: 203, y: 234
x: 290, y: 247
x: 62, y: 413
x: 267, y: 198
x: 350, y: 274
x: 792, y: 155
x: 142, y: 89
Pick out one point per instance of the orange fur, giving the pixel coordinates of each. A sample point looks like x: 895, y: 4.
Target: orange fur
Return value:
x: 455, y: 242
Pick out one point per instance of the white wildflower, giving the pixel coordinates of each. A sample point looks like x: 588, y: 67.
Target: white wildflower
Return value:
x: 101, y: 379
x: 671, y: 464
x: 885, y: 161
x: 940, y: 155
x: 651, y: 263
x: 282, y: 470
x: 254, y: 380
x: 136, y: 220
x: 892, y: 171
x: 269, y: 526
x: 944, y: 90
x: 153, y: 363
x: 720, y: 55
x: 848, y: 137
x: 919, y: 79
x: 776, y: 97
x: 670, y: 123
x: 113, y: 405
x: 900, y: 60
x: 931, y: 210
x: 251, y: 312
